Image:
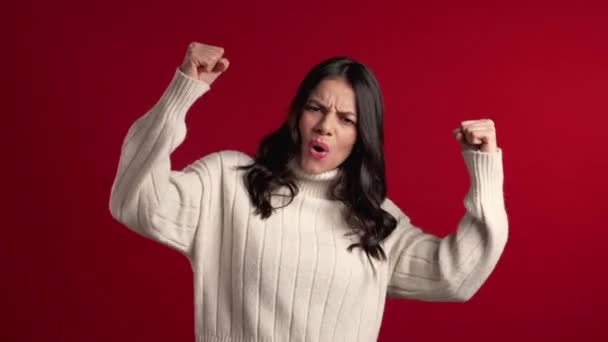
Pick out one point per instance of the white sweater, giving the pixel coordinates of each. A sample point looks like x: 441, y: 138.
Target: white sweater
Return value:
x: 290, y: 277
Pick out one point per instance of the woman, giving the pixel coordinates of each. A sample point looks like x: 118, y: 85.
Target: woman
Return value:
x: 301, y: 242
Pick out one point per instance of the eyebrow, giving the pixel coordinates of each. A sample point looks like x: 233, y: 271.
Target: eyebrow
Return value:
x: 317, y: 102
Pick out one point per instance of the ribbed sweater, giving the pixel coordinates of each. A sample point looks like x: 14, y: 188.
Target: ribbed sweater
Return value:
x: 290, y: 277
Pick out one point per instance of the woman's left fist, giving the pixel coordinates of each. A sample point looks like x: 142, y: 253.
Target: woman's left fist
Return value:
x: 477, y: 135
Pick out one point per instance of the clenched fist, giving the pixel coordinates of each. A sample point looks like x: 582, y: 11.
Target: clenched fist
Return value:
x: 204, y: 62
x: 478, y: 135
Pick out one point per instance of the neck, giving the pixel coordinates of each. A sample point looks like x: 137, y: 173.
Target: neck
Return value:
x: 313, y: 184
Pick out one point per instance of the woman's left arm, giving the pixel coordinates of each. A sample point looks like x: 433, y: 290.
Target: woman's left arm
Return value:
x: 425, y: 267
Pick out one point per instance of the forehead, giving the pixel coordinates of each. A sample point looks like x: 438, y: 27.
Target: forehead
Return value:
x: 337, y: 91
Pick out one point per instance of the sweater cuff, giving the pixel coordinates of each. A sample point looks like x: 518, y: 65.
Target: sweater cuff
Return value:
x: 486, y: 171
x: 183, y: 91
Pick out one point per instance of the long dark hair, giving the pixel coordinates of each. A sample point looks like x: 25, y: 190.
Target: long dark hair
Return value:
x: 361, y: 183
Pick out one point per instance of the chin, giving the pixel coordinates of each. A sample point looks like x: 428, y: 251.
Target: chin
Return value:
x: 311, y: 166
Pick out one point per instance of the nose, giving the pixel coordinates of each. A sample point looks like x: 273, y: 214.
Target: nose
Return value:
x: 325, y: 125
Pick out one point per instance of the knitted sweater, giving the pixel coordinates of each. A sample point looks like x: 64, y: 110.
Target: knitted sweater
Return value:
x: 290, y: 277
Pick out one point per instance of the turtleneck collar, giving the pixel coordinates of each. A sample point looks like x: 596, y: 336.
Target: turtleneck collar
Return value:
x: 310, y: 184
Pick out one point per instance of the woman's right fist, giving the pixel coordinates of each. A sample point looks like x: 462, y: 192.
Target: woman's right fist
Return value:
x: 204, y: 62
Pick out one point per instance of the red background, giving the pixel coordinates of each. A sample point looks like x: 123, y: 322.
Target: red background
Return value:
x: 82, y: 72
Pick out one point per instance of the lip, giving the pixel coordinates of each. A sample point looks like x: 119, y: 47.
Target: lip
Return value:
x: 317, y: 142
x: 314, y: 153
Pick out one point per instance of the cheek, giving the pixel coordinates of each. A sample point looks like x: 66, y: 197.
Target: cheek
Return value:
x: 305, y: 126
x: 352, y: 143
x: 302, y: 125
x: 307, y: 123
x: 349, y: 139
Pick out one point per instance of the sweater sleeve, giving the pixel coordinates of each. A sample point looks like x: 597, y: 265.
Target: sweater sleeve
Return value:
x: 147, y: 196
x: 425, y: 267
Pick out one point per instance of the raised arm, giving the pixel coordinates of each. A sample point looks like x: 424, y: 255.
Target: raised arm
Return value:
x: 147, y: 196
x: 426, y: 267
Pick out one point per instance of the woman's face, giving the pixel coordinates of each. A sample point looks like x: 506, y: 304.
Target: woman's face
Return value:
x: 328, y: 126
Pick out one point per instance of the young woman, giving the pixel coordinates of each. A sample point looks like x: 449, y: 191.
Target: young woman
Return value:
x: 300, y: 243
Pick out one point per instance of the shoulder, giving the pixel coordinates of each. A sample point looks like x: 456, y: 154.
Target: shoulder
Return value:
x: 402, y: 232
x: 233, y: 158
x: 394, y: 210
x: 222, y: 161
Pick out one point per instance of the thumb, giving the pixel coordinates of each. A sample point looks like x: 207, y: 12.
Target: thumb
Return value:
x: 219, y: 68
x: 221, y: 65
x: 459, y: 135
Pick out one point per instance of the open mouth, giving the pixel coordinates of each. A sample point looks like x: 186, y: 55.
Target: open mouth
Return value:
x: 318, y: 149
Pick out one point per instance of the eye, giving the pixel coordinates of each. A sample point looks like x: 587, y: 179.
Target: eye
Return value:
x: 347, y: 120
x: 312, y: 108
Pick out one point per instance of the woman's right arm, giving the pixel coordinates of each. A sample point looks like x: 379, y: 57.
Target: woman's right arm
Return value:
x: 147, y: 196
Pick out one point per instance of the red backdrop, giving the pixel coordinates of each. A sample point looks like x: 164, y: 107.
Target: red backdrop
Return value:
x: 82, y: 72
